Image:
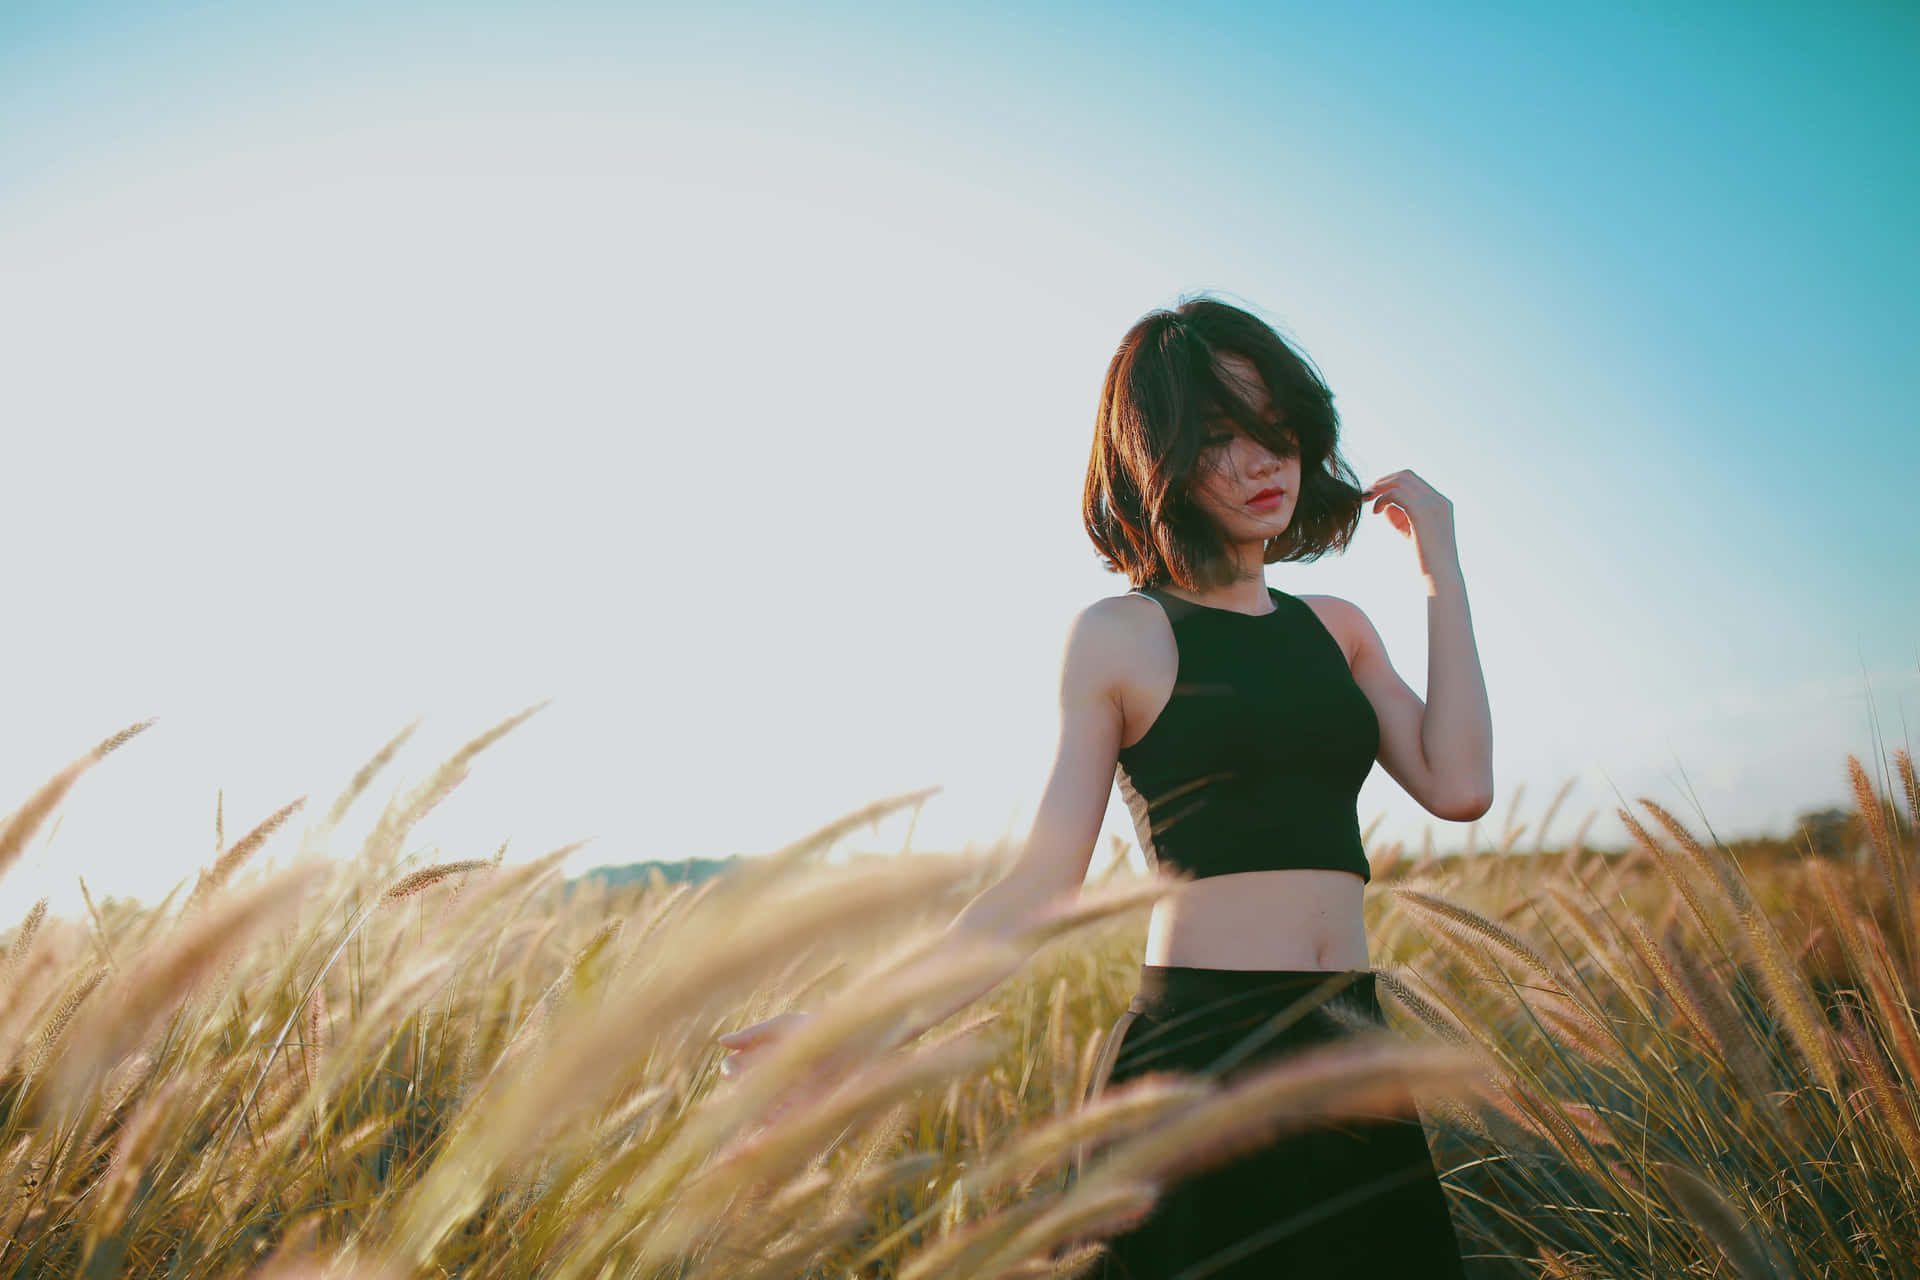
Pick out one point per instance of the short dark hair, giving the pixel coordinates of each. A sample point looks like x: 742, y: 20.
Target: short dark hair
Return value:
x: 1162, y: 393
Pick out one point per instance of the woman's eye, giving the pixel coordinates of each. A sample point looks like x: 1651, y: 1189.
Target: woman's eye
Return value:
x: 1212, y: 441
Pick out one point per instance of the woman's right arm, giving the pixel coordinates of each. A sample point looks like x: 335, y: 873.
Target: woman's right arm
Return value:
x: 1052, y: 863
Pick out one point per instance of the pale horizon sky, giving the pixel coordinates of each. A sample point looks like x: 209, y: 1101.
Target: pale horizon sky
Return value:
x: 727, y: 377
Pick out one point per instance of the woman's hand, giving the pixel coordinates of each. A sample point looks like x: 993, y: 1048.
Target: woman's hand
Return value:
x: 1420, y: 512
x: 749, y: 1040
x: 813, y: 1084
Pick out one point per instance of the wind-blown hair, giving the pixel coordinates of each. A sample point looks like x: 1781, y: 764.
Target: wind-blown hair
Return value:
x: 1161, y: 395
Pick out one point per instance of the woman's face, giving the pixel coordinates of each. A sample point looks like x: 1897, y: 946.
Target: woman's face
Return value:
x: 1234, y: 467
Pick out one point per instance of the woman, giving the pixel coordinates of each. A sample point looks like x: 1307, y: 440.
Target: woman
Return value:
x: 1238, y: 722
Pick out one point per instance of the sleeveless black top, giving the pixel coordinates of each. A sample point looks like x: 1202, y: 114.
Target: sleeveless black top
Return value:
x: 1256, y: 761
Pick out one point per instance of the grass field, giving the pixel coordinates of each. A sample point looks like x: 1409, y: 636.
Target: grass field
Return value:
x: 1682, y: 1058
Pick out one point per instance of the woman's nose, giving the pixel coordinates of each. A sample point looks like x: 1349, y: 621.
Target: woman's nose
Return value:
x: 1259, y: 459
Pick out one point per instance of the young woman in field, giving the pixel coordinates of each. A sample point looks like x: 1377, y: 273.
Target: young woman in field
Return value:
x: 1238, y: 722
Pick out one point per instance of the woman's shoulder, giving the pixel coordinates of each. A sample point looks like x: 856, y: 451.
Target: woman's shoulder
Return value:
x: 1344, y: 620
x: 1118, y: 624
x: 1126, y: 612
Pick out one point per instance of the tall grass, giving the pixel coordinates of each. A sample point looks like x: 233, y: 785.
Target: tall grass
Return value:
x: 1668, y: 1061
x: 1707, y: 1064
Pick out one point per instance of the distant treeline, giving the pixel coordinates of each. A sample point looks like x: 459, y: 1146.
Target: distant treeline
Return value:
x: 691, y: 870
x: 1824, y: 833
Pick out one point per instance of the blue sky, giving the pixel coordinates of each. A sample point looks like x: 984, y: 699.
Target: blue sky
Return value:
x: 727, y: 375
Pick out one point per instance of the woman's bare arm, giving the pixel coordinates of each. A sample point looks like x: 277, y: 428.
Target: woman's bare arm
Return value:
x: 1052, y: 862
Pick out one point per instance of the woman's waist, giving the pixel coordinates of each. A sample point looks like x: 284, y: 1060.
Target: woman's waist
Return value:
x: 1268, y: 920
x: 1167, y: 990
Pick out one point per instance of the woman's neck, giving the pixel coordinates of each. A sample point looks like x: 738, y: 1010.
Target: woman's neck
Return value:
x: 1245, y: 592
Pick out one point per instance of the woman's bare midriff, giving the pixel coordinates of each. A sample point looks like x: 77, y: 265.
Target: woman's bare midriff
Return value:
x: 1292, y: 918
x: 1297, y: 918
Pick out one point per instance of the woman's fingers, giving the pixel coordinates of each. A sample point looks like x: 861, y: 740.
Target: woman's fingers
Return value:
x: 748, y: 1036
x: 753, y: 1039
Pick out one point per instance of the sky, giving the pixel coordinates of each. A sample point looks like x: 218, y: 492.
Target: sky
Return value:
x: 723, y: 377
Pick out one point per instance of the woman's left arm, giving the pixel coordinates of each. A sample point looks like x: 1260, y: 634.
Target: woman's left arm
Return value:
x: 1440, y: 751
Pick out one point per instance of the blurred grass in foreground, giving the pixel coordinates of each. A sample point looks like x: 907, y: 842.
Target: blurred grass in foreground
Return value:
x: 1664, y: 1061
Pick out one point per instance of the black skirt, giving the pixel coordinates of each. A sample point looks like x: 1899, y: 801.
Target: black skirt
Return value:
x: 1349, y: 1198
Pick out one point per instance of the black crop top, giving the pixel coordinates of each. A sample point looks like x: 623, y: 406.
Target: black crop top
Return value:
x: 1256, y: 761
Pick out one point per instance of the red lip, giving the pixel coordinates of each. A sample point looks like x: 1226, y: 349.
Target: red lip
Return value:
x: 1264, y: 494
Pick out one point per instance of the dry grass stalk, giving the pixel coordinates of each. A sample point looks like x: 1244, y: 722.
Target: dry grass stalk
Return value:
x: 1833, y: 898
x: 1080, y: 1134
x: 138, y: 1140
x: 1510, y: 828
x: 23, y: 937
x: 1577, y: 918
x: 1577, y: 844
x: 1105, y: 1209
x: 366, y: 774
x: 1365, y: 1073
x: 771, y: 1241
x: 20, y: 825
x: 316, y: 1033
x: 1484, y: 1049
x: 1896, y: 1018
x: 1366, y: 835
x: 1456, y: 1116
x: 1059, y: 1050
x: 1793, y: 1002
x: 109, y: 745
x: 1895, y: 876
x: 248, y: 845
x: 1441, y: 1024
x: 1540, y: 1119
x: 1675, y: 987
x: 1463, y: 921
x: 1904, y: 763
x: 143, y: 995
x: 427, y: 877
x: 1786, y: 987
x: 1714, y: 867
x: 762, y: 871
x: 57, y: 1024
x: 1599, y: 1050
x: 1560, y: 1019
x: 593, y: 1056
x: 1742, y: 1055
x: 99, y: 927
x: 24, y: 821
x: 1559, y: 1266
x: 1594, y: 1124
x: 1387, y: 862
x: 28, y: 993
x: 115, y: 1093
x: 1676, y: 875
x: 537, y: 1025
x: 1741, y: 1240
x: 867, y: 1093
x: 1546, y: 819
x: 1468, y: 925
x: 402, y: 816
x: 344, y: 1267
x: 1895, y: 1112
x: 1089, y: 1062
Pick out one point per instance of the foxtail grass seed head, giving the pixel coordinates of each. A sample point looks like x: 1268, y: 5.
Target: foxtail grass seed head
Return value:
x: 427, y: 877
x: 367, y: 772
x: 23, y: 936
x: 1904, y: 764
x: 244, y: 848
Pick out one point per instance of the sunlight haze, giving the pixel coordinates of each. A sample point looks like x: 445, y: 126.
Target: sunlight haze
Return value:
x: 728, y: 378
